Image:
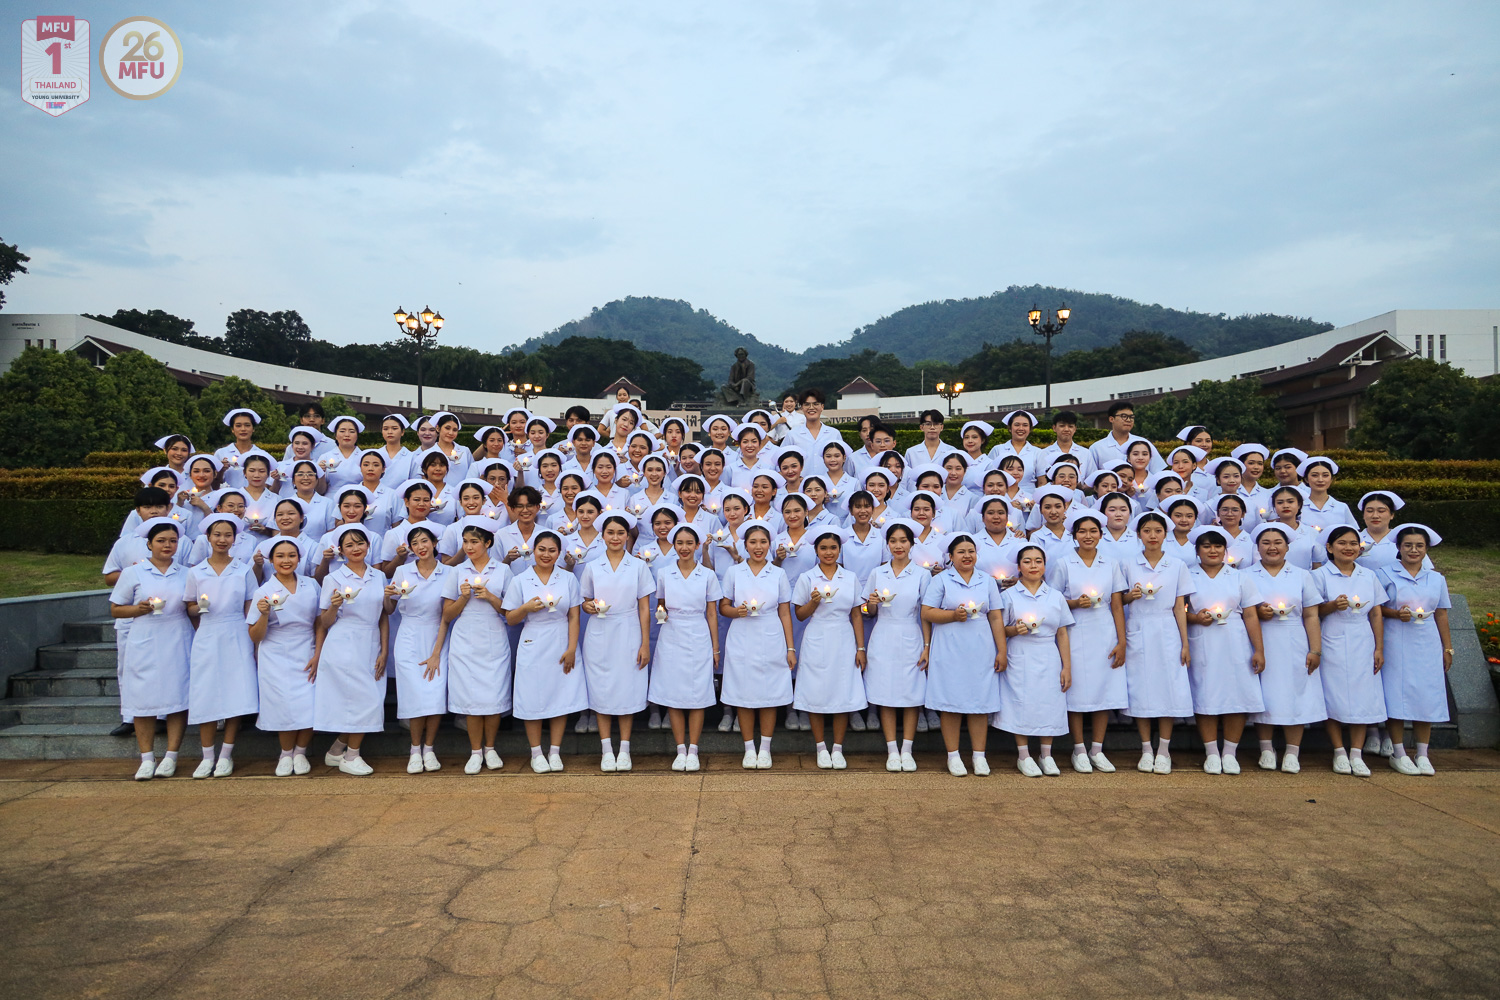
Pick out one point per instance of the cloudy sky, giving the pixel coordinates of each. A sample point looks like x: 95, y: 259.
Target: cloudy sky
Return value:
x: 798, y: 169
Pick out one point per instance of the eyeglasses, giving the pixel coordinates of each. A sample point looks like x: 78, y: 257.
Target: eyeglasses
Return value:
x: 1124, y: 416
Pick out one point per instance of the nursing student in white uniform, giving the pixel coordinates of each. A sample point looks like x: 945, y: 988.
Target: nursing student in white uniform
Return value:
x: 221, y: 684
x: 1306, y: 552
x: 757, y: 675
x: 241, y: 423
x: 1093, y: 585
x: 1019, y: 423
x: 832, y: 652
x: 1418, y: 647
x: 1038, y: 672
x: 1119, y: 541
x: 543, y: 602
x: 478, y: 642
x: 341, y: 463
x: 393, y: 426
x: 898, y: 640
x: 929, y: 451
x: 968, y: 650
x: 281, y: 616
x: 1228, y: 654
x: 687, y: 649
x: 616, y: 588
x: 1321, y: 510
x: 1184, y: 512
x: 1228, y: 511
x: 418, y: 655
x: 353, y: 639
x: 1156, y: 641
x: 1293, y: 637
x: 158, y: 647
x: 1377, y: 542
x: 1353, y: 644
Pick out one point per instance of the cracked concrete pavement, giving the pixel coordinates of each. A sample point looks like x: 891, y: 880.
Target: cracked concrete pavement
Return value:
x: 731, y: 884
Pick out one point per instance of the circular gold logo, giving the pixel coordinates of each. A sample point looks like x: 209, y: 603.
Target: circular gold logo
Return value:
x: 140, y: 58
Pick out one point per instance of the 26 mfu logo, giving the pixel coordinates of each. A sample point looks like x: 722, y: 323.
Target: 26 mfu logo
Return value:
x: 140, y: 58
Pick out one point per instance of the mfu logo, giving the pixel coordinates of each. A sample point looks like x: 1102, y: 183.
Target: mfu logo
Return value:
x: 55, y: 63
x: 140, y: 58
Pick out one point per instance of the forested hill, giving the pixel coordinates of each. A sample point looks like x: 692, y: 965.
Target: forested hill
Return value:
x: 950, y: 330
x: 956, y: 328
x: 675, y: 327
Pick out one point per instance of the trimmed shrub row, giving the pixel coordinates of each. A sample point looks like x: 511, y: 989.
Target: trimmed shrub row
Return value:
x: 81, y: 526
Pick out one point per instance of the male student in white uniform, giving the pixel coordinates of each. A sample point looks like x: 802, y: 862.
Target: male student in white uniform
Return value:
x: 811, y: 438
x: 1109, y: 450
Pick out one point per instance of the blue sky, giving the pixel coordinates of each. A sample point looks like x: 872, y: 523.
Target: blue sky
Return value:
x: 798, y: 169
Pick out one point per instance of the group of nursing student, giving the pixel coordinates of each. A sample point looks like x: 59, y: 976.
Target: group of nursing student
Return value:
x: 770, y: 567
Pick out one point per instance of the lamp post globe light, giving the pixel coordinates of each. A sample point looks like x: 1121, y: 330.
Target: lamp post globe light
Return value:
x: 525, y: 392
x: 949, y: 391
x: 1047, y: 331
x: 423, y: 328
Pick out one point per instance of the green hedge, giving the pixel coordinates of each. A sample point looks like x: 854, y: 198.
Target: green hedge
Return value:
x: 1429, y: 490
x: 1469, y: 523
x: 1389, y: 469
x: 65, y: 487
x: 82, y: 526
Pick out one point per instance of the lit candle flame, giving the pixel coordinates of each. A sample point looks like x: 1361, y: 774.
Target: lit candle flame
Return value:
x: 156, y: 605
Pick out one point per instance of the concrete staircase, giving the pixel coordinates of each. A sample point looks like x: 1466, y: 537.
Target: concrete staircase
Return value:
x: 66, y: 707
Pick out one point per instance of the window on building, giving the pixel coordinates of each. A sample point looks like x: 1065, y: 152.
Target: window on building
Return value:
x: 1419, y: 345
x: 1430, y: 339
x: 54, y: 345
x: 1442, y: 347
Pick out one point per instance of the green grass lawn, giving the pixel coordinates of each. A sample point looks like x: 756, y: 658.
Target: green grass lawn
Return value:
x: 1475, y: 573
x: 25, y: 573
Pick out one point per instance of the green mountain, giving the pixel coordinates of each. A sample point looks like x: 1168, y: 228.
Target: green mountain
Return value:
x: 949, y: 331
x: 956, y: 328
x: 675, y: 327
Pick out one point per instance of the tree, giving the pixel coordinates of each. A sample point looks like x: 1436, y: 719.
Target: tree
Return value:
x: 582, y: 366
x: 233, y: 393
x: 276, y: 338
x: 55, y: 408
x: 1233, y: 410
x: 1417, y: 410
x: 152, y: 403
x: 12, y: 263
x: 337, y: 406
x: 1481, y: 420
x: 163, y: 326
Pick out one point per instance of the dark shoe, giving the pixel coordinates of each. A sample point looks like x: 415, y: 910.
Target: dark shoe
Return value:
x: 123, y: 729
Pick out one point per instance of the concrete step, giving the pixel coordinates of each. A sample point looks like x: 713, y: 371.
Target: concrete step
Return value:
x: 79, y: 682
x: 57, y: 741
x: 57, y: 710
x: 102, y: 630
x: 73, y: 655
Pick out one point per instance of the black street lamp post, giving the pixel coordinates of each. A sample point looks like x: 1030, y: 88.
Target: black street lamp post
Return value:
x: 423, y: 328
x: 1048, y: 330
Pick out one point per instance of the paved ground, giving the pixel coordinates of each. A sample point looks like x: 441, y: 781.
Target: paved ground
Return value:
x: 726, y: 884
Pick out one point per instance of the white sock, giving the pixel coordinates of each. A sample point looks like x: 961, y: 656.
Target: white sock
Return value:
x: 692, y: 749
x: 351, y: 754
x: 820, y: 746
x: 1340, y: 752
x: 765, y: 744
x: 838, y: 748
x: 906, y: 746
x: 1023, y: 753
x: 427, y: 748
x: 1146, y: 746
x: 302, y: 751
x: 226, y: 750
x: 1399, y: 750
x: 149, y: 755
x: 1355, y: 753
x: 1211, y: 748
x: 749, y: 746
x: 1095, y: 748
x: 890, y: 747
x: 554, y: 750
x: 287, y: 753
x: 1421, y: 749
x: 472, y: 753
x: 952, y: 755
x: 606, y: 746
x: 208, y: 753
x: 1293, y: 751
x: 1266, y: 745
x: 977, y: 755
x: 624, y: 746
x: 536, y: 752
x: 337, y: 750
x: 416, y: 750
x: 682, y: 749
x: 1046, y: 750
x: 170, y: 755
x: 1079, y: 750
x: 1230, y: 748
